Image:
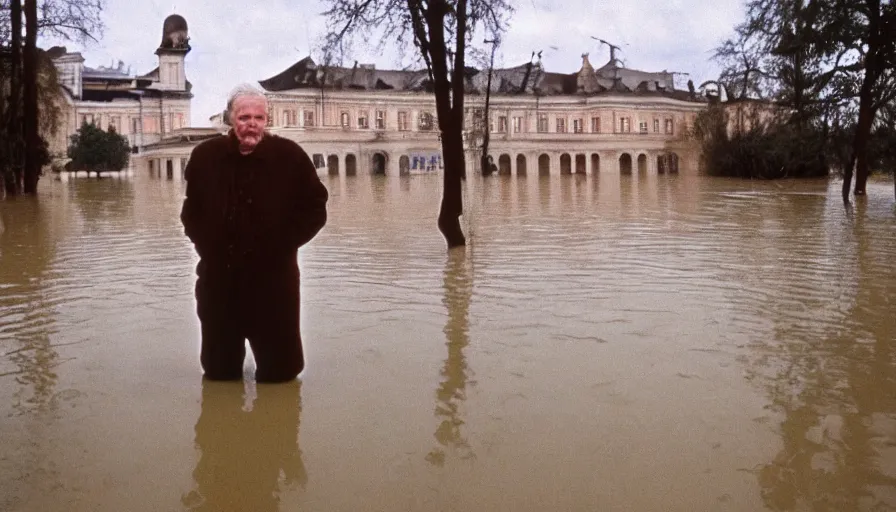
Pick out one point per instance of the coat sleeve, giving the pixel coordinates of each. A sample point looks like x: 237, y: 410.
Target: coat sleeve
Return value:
x: 191, y: 211
x: 309, y: 214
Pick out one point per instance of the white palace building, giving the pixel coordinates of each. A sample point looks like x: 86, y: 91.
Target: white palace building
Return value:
x: 360, y: 119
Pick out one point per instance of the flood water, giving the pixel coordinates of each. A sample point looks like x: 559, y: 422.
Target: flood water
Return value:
x: 636, y: 343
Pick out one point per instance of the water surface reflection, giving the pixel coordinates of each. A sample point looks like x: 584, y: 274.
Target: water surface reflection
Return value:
x: 639, y: 342
x: 458, y: 285
x: 834, y: 384
x: 247, y: 453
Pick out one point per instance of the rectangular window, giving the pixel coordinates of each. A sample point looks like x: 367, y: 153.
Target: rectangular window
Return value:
x: 135, y: 125
x: 478, y: 120
x: 403, y: 122
x: 151, y: 124
x: 502, y: 124
x: 86, y: 119
x: 669, y: 127
x: 517, y: 124
x: 344, y: 119
x: 561, y: 125
x: 625, y: 125
x: 380, y: 120
x: 642, y: 127
x: 425, y: 122
x: 595, y: 125
x: 115, y: 123
x: 363, y: 121
x: 542, y: 123
x: 577, y: 126
x: 656, y: 126
x: 309, y: 117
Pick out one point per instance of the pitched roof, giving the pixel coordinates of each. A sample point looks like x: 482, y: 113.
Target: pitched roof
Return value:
x: 526, y: 78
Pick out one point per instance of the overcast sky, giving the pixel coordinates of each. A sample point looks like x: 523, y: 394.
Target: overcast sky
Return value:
x: 236, y: 41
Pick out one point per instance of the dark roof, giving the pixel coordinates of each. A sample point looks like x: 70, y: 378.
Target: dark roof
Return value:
x: 526, y: 78
x: 557, y: 83
x: 308, y: 74
x: 130, y: 94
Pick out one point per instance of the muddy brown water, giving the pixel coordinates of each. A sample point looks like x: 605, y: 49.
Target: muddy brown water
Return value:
x: 604, y: 342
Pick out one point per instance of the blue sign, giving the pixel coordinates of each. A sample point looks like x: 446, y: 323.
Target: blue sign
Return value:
x: 426, y: 162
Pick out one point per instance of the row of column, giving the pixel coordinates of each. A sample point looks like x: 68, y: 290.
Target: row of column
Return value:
x: 529, y: 163
x: 532, y: 164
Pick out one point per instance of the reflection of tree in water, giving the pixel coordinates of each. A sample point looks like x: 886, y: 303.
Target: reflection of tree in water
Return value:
x: 458, y: 284
x: 837, y: 393
x: 27, y: 249
x: 103, y: 199
x: 246, y: 456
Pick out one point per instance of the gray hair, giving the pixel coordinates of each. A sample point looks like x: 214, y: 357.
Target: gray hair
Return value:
x: 241, y: 91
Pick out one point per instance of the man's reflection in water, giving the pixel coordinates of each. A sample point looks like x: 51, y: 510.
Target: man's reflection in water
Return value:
x: 458, y: 284
x: 246, y: 453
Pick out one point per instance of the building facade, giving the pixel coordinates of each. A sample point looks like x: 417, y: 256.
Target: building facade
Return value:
x: 363, y: 120
x: 144, y: 108
x: 612, y: 119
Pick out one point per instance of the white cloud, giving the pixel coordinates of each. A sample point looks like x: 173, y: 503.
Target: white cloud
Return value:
x: 234, y: 41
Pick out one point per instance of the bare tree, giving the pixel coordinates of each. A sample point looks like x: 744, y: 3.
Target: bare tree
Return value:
x: 73, y: 20
x: 866, y: 28
x: 486, y: 166
x: 29, y: 109
x: 744, y: 72
x: 441, y: 30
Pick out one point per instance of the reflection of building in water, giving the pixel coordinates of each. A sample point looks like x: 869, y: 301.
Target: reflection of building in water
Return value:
x: 145, y: 108
x: 245, y: 456
x: 363, y: 119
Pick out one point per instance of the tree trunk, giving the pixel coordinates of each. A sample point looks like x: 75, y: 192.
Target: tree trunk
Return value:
x: 13, y: 178
x: 450, y: 108
x: 863, y: 135
x: 452, y: 197
x: 875, y: 64
x: 29, y: 81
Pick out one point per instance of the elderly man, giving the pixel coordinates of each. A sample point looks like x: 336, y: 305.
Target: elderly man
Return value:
x: 252, y: 200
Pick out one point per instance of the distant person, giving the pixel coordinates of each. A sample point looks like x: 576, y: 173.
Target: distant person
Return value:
x: 252, y: 200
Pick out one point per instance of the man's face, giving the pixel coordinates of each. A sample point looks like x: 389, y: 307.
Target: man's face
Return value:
x: 249, y: 117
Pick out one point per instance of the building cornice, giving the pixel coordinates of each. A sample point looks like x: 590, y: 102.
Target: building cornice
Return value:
x: 391, y: 98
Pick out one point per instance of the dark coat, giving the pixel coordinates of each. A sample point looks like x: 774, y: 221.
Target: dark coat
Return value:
x: 252, y: 211
x: 247, y: 216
